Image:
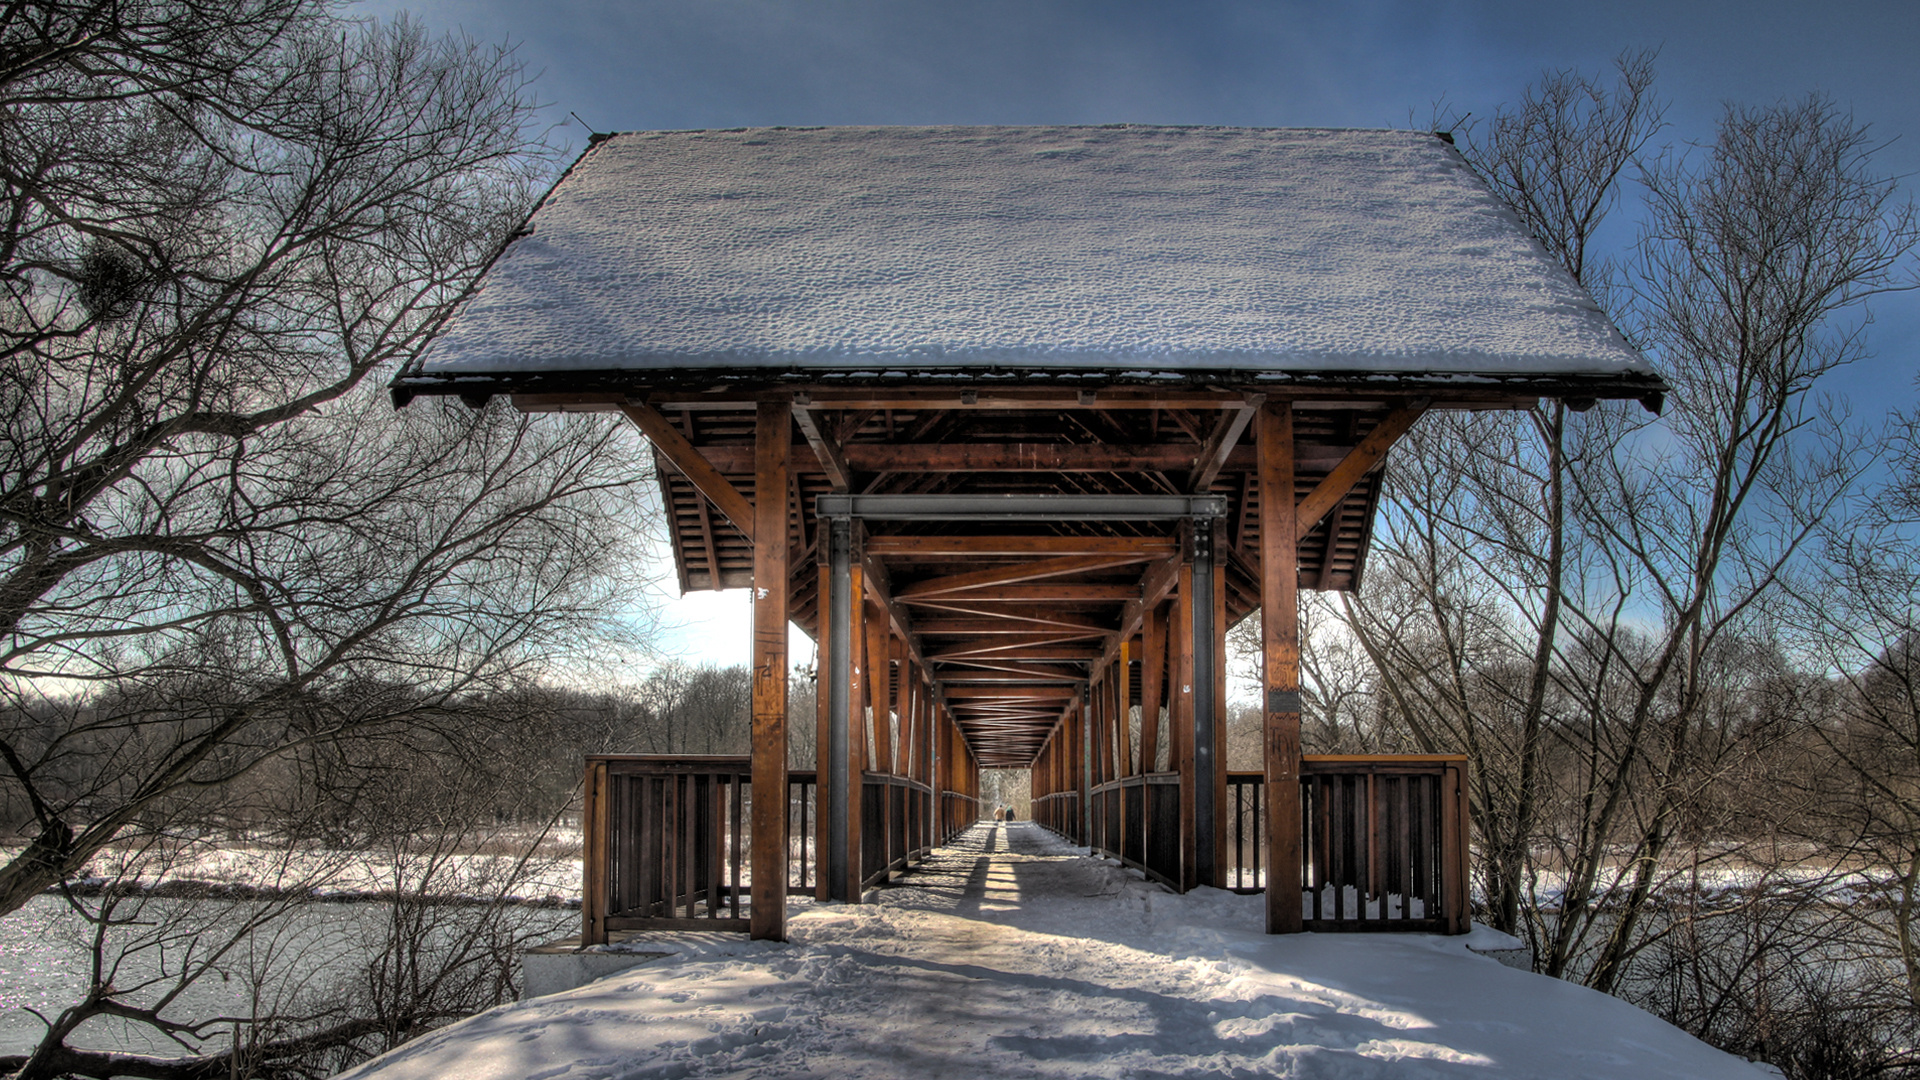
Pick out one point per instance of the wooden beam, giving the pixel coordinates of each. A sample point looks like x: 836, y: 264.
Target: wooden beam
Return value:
x: 1025, y: 646
x: 1024, y: 457
x: 700, y: 472
x: 1123, y: 694
x: 856, y: 731
x: 767, y: 918
x: 880, y: 690
x: 899, y: 731
x: 1280, y: 648
x: 709, y: 396
x: 825, y: 660
x: 879, y: 587
x: 1358, y: 462
x: 825, y: 448
x: 1028, y: 616
x: 1017, y: 573
x: 1023, y: 678
x: 1180, y: 700
x: 962, y: 670
x: 910, y: 722
x: 597, y: 854
x: 706, y: 521
x: 1039, y: 397
x: 998, y: 693
x: 1154, y: 587
x: 970, y: 627
x: 1153, y: 666
x: 1040, y: 594
x: 1329, y: 548
x: 1016, y: 546
x: 1226, y: 435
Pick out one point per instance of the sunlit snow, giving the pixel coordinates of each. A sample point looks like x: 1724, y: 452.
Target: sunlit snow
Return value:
x: 1162, y: 249
x: 1009, y: 954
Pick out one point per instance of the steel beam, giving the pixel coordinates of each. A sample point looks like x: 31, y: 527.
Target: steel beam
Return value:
x: 839, y: 695
x: 1021, y: 507
x: 1207, y: 721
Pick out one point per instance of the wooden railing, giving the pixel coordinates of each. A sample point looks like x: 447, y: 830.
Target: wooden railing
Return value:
x: 803, y: 804
x: 665, y: 839
x: 664, y: 844
x: 1384, y: 844
x: 895, y: 815
x: 958, y: 813
x: 1060, y: 812
x: 1136, y: 819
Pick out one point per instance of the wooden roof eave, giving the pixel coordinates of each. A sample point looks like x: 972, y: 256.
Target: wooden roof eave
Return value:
x: 607, y: 390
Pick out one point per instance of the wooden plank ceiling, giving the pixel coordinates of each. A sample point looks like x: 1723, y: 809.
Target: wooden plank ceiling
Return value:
x: 1010, y: 618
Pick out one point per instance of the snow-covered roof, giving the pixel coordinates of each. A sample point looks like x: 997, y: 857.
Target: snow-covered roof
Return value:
x: 1263, y: 252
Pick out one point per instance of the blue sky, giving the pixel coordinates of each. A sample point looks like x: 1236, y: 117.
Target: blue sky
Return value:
x: 719, y: 63
x: 648, y: 64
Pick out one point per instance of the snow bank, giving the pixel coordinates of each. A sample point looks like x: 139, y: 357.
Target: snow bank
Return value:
x: 264, y: 869
x: 1039, y: 962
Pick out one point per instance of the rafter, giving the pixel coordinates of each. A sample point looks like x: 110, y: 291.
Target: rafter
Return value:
x: 826, y: 448
x: 1015, y: 574
x: 1035, y: 647
x: 1044, y: 594
x: 1226, y: 435
x: 1026, y: 615
x: 698, y: 470
x: 971, y: 627
x: 1359, y: 461
x: 958, y: 670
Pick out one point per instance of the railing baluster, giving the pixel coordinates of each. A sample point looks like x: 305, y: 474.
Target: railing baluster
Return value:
x: 734, y: 834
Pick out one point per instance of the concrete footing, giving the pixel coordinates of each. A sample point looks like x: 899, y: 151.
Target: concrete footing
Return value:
x: 561, y: 965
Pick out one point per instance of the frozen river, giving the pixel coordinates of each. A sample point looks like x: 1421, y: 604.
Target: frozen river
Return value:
x: 303, y: 958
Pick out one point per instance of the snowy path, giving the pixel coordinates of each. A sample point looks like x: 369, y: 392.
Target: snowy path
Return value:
x: 1010, y: 955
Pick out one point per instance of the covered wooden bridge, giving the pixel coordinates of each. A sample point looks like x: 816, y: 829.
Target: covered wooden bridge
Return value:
x: 1015, y: 423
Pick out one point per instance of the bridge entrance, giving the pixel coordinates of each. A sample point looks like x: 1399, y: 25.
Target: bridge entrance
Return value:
x: 1015, y: 422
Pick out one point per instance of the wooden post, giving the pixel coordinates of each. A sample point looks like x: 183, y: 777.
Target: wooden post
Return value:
x: 859, y: 676
x: 1280, y: 639
x: 598, y: 852
x: 880, y: 662
x: 1153, y: 668
x: 842, y: 745
x: 768, y: 916
x: 879, y: 698
x: 1220, y: 811
x: 1180, y: 649
x: 1455, y: 825
x: 936, y: 779
x: 829, y: 705
x: 1083, y: 763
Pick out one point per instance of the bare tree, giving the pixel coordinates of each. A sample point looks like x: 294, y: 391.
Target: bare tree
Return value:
x: 1752, y: 258
x: 1483, y: 568
x: 222, y: 223
x: 1577, y: 600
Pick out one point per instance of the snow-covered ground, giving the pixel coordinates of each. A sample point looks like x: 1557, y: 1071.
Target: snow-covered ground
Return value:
x: 1010, y: 954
